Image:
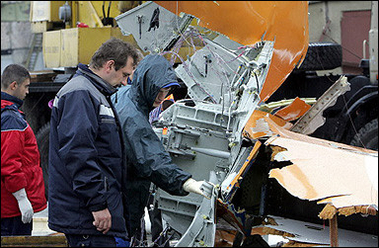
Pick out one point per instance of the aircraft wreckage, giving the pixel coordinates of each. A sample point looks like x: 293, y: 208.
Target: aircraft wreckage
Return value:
x: 269, y: 177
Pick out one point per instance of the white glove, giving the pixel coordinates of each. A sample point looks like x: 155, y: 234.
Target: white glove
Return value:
x: 25, y: 206
x: 198, y: 187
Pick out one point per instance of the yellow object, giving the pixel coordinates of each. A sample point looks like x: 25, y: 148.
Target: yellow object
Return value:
x: 68, y: 47
x: 164, y: 131
x: 45, y: 11
x: 43, y: 14
x: 51, y: 44
x: 40, y: 27
x: 90, y: 12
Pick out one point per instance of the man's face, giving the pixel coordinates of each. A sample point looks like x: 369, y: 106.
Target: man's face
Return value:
x: 161, y: 96
x: 125, y: 82
x: 115, y: 78
x: 21, y: 90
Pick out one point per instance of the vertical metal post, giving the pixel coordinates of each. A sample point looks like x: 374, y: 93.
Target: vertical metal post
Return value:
x: 333, y: 231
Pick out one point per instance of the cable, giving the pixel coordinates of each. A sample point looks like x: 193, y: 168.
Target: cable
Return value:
x: 343, y: 47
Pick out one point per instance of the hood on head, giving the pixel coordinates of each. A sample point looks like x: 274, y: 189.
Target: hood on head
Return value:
x: 153, y: 73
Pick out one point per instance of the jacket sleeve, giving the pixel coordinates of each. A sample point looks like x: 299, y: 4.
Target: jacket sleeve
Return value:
x: 77, y: 131
x: 12, y: 143
x: 149, y: 158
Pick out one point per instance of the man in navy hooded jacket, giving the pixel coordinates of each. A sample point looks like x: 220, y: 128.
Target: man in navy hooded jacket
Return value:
x: 147, y: 160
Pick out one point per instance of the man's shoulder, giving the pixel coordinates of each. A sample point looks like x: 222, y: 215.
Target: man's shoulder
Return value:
x: 78, y: 83
x: 12, y: 120
x: 9, y: 109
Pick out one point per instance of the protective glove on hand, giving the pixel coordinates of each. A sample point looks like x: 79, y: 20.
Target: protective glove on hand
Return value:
x: 197, y: 187
x: 25, y: 206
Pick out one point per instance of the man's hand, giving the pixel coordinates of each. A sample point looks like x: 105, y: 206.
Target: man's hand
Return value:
x: 199, y: 187
x: 103, y: 220
x: 25, y: 206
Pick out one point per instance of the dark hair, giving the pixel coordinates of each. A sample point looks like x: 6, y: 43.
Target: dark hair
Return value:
x: 114, y: 49
x: 14, y: 72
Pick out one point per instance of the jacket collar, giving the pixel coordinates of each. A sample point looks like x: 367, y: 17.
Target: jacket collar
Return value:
x: 98, y: 82
x: 10, y: 98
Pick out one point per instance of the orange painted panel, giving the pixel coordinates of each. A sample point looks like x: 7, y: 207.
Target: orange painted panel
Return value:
x: 247, y: 22
x: 257, y: 126
x: 293, y: 111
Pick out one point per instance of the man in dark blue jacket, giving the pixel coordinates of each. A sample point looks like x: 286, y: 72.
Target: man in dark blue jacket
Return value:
x: 86, y: 164
x: 147, y: 159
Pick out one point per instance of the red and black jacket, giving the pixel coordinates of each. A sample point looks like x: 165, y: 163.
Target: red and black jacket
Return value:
x: 20, y: 159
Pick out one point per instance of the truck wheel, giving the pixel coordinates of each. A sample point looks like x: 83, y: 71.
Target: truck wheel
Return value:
x: 367, y: 136
x: 322, y: 56
x: 42, y: 137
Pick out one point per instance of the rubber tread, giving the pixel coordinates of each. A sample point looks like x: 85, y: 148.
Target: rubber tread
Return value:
x: 322, y: 56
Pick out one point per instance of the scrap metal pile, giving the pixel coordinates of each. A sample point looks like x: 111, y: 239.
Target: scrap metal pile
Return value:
x: 223, y: 132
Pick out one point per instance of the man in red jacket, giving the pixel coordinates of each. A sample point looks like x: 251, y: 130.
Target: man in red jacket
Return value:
x: 22, y: 186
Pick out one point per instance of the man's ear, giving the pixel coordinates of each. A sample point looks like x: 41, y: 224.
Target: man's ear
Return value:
x: 13, y: 85
x: 109, y: 64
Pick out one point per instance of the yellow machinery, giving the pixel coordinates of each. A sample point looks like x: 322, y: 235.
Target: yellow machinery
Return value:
x: 73, y: 30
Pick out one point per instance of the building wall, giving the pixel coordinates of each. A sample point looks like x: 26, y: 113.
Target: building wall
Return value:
x: 15, y: 38
x: 16, y: 35
x: 15, y: 32
x: 325, y: 25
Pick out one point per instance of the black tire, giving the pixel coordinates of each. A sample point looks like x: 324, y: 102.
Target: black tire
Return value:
x: 42, y: 137
x: 367, y: 136
x: 322, y: 56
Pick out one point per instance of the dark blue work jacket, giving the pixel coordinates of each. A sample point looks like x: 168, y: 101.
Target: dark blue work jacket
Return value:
x: 86, y: 166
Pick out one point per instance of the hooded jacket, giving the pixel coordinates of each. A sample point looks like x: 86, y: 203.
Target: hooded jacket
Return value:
x: 20, y: 159
x: 85, y: 157
x: 147, y: 159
